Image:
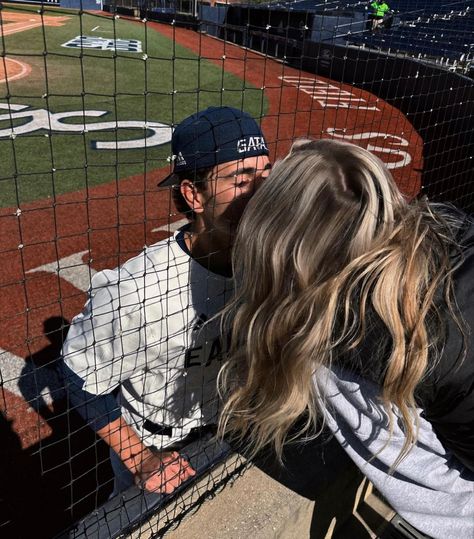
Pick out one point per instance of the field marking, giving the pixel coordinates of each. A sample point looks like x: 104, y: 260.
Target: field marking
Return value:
x: 24, y: 70
x: 102, y: 31
x: 70, y: 268
x: 19, y: 22
x: 171, y: 227
x: 323, y: 92
x: 19, y: 27
x: 21, y: 378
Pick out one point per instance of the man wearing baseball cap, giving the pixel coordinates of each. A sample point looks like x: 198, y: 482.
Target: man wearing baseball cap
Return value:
x: 142, y: 358
x: 219, y: 156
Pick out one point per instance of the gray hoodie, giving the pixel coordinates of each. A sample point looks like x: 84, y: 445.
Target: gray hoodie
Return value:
x: 430, y: 488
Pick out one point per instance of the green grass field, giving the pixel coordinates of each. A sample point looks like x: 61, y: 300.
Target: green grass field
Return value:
x: 166, y: 87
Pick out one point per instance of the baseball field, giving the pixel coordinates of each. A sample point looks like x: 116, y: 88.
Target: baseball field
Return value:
x: 87, y: 107
x: 124, y: 98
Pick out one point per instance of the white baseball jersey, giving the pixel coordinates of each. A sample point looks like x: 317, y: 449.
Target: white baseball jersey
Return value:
x: 144, y: 329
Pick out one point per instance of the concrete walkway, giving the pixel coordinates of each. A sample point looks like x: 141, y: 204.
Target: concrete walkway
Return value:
x: 256, y: 506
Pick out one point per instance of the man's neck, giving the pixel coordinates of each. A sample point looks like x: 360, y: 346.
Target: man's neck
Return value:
x: 211, y: 248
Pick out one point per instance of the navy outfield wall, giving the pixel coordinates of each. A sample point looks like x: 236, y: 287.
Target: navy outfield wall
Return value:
x: 81, y: 4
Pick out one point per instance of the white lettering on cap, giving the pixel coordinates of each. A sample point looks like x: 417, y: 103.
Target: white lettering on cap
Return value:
x: 180, y: 160
x: 253, y: 143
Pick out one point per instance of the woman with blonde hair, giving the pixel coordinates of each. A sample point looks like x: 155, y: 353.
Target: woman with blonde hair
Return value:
x: 354, y: 309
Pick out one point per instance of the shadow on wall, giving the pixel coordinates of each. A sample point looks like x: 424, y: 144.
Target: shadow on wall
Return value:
x: 46, y: 487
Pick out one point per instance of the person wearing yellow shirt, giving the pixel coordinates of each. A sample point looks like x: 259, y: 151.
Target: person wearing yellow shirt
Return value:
x: 378, y: 12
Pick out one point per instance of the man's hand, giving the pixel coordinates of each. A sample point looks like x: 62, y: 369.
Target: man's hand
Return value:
x: 162, y: 472
x: 155, y: 472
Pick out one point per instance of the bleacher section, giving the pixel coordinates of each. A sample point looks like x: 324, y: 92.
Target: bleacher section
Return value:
x: 435, y: 30
x: 448, y: 36
x: 417, y: 7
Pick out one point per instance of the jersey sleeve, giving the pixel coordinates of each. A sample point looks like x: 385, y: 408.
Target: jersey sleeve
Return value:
x: 96, y: 410
x: 107, y: 342
x: 449, y: 404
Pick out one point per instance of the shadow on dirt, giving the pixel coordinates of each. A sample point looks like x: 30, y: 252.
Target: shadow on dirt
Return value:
x: 48, y: 486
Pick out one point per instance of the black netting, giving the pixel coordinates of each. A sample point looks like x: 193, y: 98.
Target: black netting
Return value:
x: 89, y: 95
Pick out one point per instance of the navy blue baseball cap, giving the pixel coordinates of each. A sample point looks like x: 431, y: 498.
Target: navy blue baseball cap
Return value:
x: 213, y: 136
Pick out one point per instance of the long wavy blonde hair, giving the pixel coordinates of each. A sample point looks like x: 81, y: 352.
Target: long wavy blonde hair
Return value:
x: 325, y: 241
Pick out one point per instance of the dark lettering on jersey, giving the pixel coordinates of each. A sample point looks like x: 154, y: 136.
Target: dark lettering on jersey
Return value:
x: 215, y: 352
x: 194, y: 356
x: 191, y: 355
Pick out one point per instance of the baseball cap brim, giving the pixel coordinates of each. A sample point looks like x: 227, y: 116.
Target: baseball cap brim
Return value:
x: 169, y: 181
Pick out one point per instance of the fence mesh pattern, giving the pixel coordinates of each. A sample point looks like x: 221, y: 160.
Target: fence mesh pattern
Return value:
x: 88, y: 102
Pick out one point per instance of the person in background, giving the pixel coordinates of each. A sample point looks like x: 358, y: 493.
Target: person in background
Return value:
x: 141, y: 360
x: 379, y: 11
x: 354, y: 309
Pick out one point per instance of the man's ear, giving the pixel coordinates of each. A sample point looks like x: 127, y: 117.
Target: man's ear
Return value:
x: 194, y: 199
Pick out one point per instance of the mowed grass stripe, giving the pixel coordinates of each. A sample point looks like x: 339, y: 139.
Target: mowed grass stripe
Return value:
x: 166, y: 87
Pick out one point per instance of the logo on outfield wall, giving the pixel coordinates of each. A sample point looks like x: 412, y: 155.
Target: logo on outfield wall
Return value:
x: 155, y: 133
x: 104, y: 44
